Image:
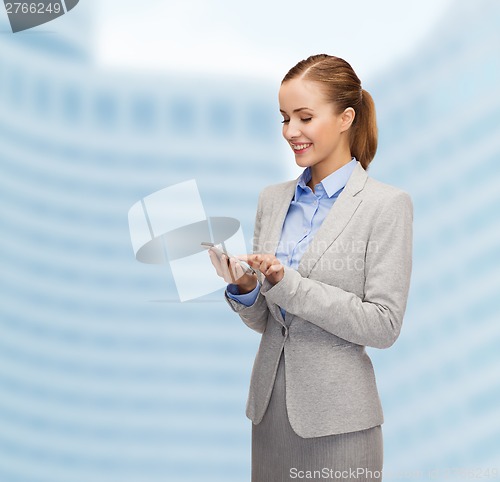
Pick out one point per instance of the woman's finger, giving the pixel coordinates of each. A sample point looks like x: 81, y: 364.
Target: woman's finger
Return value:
x: 216, y: 262
x: 221, y: 266
x: 266, y: 263
x: 236, y: 269
x: 231, y: 269
x: 224, y: 262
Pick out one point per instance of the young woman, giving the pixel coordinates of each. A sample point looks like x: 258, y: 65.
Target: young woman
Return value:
x: 333, y: 254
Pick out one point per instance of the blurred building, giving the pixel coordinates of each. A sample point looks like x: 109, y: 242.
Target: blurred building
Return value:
x: 439, y: 119
x: 104, y: 375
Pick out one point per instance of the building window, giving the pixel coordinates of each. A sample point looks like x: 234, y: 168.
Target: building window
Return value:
x: 71, y: 104
x: 143, y: 113
x: 105, y: 110
x: 181, y: 116
x: 221, y: 122
x: 42, y: 96
x: 259, y: 123
x: 16, y: 88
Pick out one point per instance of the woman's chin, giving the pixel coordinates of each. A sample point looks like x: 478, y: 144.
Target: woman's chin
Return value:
x: 301, y: 162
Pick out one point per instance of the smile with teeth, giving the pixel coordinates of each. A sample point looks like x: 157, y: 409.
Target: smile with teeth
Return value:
x: 300, y: 147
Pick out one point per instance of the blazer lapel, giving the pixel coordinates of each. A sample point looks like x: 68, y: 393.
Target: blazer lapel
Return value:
x: 280, y: 203
x: 335, y: 221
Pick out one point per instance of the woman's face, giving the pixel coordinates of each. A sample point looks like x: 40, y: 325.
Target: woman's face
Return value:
x: 314, y: 131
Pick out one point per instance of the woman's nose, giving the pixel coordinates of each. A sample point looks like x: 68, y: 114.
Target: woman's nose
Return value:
x: 292, y: 132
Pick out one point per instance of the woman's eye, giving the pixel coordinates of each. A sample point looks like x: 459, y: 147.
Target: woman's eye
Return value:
x: 303, y: 120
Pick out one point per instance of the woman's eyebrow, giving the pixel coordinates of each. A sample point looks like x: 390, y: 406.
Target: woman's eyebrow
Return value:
x: 299, y: 109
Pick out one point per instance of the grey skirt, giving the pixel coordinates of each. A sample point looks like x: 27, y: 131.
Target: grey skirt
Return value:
x: 279, y: 454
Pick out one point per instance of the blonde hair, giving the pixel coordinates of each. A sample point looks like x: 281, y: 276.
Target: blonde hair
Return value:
x: 342, y: 87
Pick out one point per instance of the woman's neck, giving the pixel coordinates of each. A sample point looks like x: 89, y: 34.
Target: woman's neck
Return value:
x: 319, y: 172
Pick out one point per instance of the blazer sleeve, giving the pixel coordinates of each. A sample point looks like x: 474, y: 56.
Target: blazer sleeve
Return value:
x: 374, y: 320
x: 255, y: 315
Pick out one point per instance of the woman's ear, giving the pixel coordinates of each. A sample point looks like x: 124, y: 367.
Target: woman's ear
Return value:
x: 347, y: 118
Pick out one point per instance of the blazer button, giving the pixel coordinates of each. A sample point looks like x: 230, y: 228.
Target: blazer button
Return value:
x: 283, y: 331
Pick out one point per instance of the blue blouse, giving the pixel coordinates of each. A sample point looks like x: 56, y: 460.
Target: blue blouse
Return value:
x: 307, y: 211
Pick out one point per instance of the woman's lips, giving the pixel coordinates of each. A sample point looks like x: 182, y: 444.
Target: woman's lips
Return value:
x: 301, y: 151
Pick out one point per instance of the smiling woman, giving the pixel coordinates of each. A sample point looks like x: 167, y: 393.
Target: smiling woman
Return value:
x: 332, y: 253
x: 336, y: 117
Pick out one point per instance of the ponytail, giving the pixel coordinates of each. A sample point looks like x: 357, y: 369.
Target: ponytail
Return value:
x: 364, y: 132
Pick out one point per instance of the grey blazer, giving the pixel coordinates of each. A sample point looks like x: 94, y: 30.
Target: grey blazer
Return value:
x: 350, y: 291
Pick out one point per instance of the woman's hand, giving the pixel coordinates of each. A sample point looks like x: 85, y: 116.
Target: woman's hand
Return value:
x: 268, y: 264
x: 232, y: 272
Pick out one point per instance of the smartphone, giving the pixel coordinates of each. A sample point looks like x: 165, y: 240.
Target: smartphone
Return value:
x: 219, y: 249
